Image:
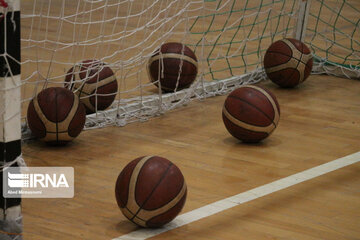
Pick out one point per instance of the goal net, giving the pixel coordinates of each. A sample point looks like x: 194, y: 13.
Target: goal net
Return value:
x: 228, y: 37
x: 333, y: 35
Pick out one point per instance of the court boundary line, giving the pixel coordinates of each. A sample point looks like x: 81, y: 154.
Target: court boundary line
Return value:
x: 244, y: 197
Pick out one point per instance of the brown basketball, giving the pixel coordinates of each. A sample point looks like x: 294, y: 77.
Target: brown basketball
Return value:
x: 150, y: 191
x: 56, y: 116
x: 176, y: 64
x: 94, y: 82
x: 288, y: 62
x: 251, y: 113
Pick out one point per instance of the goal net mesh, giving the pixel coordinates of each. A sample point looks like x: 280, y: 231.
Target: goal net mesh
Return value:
x: 333, y: 35
x: 229, y: 38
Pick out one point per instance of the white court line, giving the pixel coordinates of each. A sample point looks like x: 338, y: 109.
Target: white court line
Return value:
x: 244, y: 197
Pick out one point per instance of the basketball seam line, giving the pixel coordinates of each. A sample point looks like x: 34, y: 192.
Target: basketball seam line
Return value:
x: 272, y: 121
x: 183, y: 60
x: 288, y: 56
x: 56, y: 131
x: 301, y: 52
x: 162, y: 177
x: 81, y: 91
x: 170, y: 201
x: 97, y: 75
x: 94, y: 94
x: 134, y: 216
x: 295, y: 69
x: 47, y: 116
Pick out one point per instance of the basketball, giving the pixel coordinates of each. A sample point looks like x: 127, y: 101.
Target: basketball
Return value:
x: 56, y: 116
x: 177, y: 65
x: 95, y: 84
x: 251, y: 113
x: 288, y: 62
x: 150, y: 191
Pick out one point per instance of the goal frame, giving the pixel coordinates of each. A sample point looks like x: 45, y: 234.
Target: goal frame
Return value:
x: 10, y: 114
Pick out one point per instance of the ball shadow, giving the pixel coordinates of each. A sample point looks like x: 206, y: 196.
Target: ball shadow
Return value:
x: 267, y: 142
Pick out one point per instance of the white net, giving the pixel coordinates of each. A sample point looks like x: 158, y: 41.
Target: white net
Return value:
x: 333, y: 34
x: 229, y: 39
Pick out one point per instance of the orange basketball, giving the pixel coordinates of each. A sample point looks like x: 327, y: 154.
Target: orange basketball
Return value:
x: 174, y: 67
x: 288, y: 62
x: 95, y: 84
x: 251, y: 113
x: 56, y: 116
x: 150, y: 191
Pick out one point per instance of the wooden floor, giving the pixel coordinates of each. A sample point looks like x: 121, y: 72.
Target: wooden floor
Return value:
x: 320, y: 122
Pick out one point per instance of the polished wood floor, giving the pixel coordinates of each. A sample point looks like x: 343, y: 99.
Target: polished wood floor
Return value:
x: 320, y: 122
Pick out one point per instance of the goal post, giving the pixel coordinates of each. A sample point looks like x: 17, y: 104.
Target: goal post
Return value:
x: 10, y: 114
x: 302, y: 18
